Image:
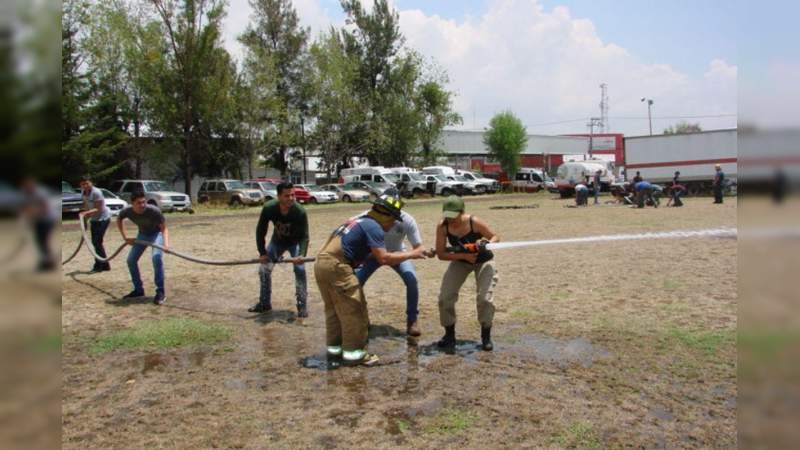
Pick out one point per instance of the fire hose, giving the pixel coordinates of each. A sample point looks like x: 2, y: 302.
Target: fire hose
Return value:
x: 482, y: 246
x: 85, y: 238
x: 477, y: 247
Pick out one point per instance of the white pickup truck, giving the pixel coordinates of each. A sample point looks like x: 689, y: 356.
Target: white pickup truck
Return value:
x: 482, y: 184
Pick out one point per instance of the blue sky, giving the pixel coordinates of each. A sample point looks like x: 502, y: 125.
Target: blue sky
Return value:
x: 684, y: 33
x: 681, y: 53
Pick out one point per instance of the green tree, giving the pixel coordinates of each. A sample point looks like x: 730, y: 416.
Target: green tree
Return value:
x: 95, y: 106
x: 683, y: 128
x: 436, y: 106
x: 338, y: 115
x: 184, y: 74
x: 276, y: 45
x: 506, y: 138
x: 374, y: 41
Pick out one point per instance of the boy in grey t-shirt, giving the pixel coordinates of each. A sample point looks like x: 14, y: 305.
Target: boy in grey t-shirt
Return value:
x: 152, y: 228
x: 405, y: 228
x: 94, y: 206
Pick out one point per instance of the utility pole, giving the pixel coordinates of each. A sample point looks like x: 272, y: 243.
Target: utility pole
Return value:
x: 649, y: 113
x: 303, y: 142
x: 593, y: 122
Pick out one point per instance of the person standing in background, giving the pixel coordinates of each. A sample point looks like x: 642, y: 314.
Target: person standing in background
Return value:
x: 94, y: 207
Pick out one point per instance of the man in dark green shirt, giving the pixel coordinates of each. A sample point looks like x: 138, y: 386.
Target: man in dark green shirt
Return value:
x: 291, y: 234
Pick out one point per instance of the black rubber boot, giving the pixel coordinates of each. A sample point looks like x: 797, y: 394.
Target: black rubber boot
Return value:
x: 486, y: 339
x: 449, y: 338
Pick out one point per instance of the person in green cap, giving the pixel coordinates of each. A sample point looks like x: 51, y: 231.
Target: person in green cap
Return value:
x: 458, y: 229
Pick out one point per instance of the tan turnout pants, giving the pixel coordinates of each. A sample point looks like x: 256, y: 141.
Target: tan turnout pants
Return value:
x: 346, y: 317
x: 454, y: 277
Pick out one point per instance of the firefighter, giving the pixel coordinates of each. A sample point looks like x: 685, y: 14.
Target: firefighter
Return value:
x: 346, y: 315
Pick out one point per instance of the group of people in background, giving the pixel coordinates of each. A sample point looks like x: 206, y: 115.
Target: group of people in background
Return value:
x: 640, y: 192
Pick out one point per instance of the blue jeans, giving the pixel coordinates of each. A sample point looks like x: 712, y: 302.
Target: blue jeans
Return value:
x: 158, y: 261
x: 406, y: 271
x: 98, y: 229
x: 275, y: 251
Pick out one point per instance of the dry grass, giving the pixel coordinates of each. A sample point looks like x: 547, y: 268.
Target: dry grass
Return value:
x: 600, y: 345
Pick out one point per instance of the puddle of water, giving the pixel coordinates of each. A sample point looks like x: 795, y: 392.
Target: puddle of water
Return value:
x: 560, y: 352
x: 321, y: 362
x: 465, y: 349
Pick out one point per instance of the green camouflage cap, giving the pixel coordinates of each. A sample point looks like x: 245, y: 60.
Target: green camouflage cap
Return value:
x: 453, y: 206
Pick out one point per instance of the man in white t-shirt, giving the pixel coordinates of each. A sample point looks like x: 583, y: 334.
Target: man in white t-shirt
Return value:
x: 94, y: 206
x: 406, y: 228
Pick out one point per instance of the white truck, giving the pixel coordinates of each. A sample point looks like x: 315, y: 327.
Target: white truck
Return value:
x: 378, y: 174
x: 694, y: 155
x: 483, y: 184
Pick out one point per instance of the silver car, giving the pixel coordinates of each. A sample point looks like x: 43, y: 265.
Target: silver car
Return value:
x: 268, y: 189
x: 319, y: 195
x: 157, y: 192
x: 347, y: 195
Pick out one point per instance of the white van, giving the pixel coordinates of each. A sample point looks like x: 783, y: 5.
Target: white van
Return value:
x: 439, y: 170
x: 530, y: 179
x: 378, y: 174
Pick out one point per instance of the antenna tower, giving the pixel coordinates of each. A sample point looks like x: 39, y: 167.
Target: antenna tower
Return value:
x: 604, y: 126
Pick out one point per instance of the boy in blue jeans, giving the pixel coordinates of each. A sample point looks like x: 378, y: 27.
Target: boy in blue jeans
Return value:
x: 152, y: 228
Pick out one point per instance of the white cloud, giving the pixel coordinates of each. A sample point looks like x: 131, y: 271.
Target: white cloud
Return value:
x: 546, y: 66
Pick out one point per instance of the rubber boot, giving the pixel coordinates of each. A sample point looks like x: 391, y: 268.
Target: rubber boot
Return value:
x: 486, y: 339
x: 449, y: 338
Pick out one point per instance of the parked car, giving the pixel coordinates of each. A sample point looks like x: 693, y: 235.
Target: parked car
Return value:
x: 71, y: 200
x: 319, y: 195
x: 232, y: 192
x: 444, y: 186
x: 374, y: 189
x: 268, y: 189
x: 347, y: 195
x: 301, y: 195
x: 483, y: 184
x: 114, y: 203
x: 470, y: 188
x: 412, y: 183
x: 157, y: 193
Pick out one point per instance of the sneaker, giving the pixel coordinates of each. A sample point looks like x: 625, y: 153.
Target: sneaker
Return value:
x: 133, y: 294
x: 159, y: 299
x: 259, y: 308
x: 369, y: 359
x: 413, y: 329
x: 302, y: 311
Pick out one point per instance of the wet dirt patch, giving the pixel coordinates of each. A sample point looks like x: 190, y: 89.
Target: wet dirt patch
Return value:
x: 161, y: 361
x: 322, y: 362
x: 562, y: 353
x: 401, y: 420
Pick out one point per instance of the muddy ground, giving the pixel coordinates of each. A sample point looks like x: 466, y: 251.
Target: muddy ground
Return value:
x: 603, y: 345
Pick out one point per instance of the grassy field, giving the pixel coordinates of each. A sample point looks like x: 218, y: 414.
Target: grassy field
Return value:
x: 603, y: 345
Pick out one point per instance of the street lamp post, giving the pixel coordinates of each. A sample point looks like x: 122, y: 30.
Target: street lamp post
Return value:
x: 649, y: 114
